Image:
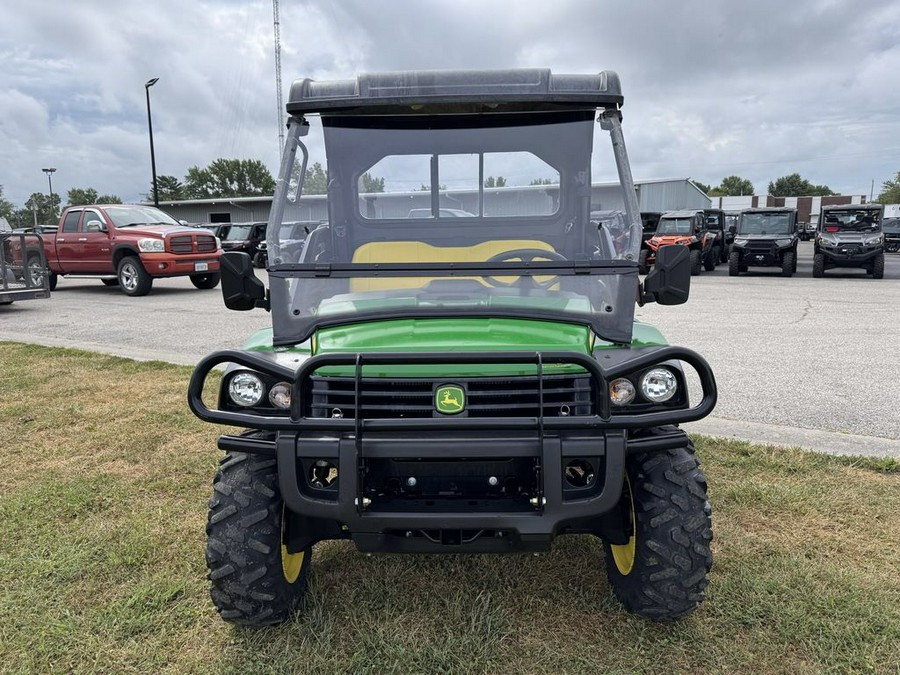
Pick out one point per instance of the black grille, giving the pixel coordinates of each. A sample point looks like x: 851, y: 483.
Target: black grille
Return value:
x: 186, y: 244
x: 761, y: 247
x: 485, y: 397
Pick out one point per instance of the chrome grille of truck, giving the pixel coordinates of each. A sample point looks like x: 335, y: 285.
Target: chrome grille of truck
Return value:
x: 192, y: 243
x: 485, y: 397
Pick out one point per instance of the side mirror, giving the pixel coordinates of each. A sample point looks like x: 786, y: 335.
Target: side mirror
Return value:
x: 732, y: 229
x: 241, y: 290
x: 94, y: 226
x: 669, y: 282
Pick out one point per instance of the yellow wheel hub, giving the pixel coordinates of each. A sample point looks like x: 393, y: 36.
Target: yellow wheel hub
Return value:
x: 291, y: 563
x: 623, y: 554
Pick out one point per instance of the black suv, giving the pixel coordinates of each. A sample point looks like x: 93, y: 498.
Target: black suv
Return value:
x: 245, y: 237
x: 850, y: 236
x: 765, y: 237
x: 891, y: 229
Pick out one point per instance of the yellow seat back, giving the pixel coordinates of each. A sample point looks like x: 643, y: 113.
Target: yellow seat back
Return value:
x: 420, y: 252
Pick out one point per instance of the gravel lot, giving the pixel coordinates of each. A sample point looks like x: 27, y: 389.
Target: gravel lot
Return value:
x: 793, y: 357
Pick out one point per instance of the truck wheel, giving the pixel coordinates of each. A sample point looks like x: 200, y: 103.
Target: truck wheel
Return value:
x: 133, y: 278
x: 819, y: 265
x: 204, y: 281
x: 734, y: 264
x: 54, y: 278
x: 788, y: 263
x: 661, y: 573
x: 643, y: 267
x: 878, y: 266
x: 710, y: 263
x: 259, y: 260
x: 695, y: 263
x: 110, y: 282
x: 35, y: 271
x: 255, y: 581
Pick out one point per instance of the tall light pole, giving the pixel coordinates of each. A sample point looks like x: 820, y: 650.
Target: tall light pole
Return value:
x: 147, y: 86
x: 49, y: 173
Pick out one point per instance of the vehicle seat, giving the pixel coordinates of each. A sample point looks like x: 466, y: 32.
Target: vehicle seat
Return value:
x: 420, y: 252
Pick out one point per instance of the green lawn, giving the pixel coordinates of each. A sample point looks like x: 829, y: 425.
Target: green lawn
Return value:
x: 103, y: 503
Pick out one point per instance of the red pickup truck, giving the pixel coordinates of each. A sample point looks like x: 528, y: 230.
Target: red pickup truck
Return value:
x: 130, y: 245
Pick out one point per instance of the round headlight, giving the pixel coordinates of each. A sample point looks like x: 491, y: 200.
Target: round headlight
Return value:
x: 621, y: 391
x: 246, y: 389
x: 280, y: 395
x: 659, y: 385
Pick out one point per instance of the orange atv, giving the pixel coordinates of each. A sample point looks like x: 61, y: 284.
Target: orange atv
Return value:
x: 683, y: 228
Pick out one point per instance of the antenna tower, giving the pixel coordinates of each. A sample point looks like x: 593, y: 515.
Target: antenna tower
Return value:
x: 278, y: 77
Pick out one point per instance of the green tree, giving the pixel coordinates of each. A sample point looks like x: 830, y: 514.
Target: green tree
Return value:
x: 6, y: 207
x: 47, y: 209
x: 368, y: 183
x: 731, y: 186
x: 795, y: 186
x: 108, y: 199
x: 81, y: 196
x: 229, y: 178
x: 703, y: 186
x: 890, y: 191
x: 170, y: 189
x: 491, y: 182
x: 316, y: 180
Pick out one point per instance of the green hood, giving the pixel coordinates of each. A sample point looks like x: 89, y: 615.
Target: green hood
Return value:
x: 454, y: 335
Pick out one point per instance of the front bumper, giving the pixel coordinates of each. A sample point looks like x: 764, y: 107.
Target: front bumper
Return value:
x: 175, y: 265
x: 848, y: 255
x: 366, y: 451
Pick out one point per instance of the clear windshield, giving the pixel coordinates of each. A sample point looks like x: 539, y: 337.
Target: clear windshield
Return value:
x: 460, y: 216
x: 674, y: 226
x: 765, y: 223
x: 237, y: 233
x: 125, y: 216
x: 851, y: 221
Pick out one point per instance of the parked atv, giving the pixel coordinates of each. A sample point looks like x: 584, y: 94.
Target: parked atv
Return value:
x: 464, y: 384
x: 683, y: 228
x: 891, y: 229
x: 850, y: 235
x: 765, y: 237
x: 715, y: 223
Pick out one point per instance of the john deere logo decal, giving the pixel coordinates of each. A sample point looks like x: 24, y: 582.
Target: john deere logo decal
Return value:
x: 449, y: 399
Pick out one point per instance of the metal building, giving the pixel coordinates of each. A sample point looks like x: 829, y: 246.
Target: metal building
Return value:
x: 668, y: 194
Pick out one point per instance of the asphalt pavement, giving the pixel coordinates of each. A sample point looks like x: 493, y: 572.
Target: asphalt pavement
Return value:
x: 799, y: 361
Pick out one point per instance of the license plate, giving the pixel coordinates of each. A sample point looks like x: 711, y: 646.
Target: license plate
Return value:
x: 201, y: 267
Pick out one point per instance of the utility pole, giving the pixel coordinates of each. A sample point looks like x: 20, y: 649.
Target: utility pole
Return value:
x: 147, y: 86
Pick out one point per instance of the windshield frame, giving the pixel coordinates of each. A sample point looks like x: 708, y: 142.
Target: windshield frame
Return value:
x: 615, y: 326
x: 789, y: 224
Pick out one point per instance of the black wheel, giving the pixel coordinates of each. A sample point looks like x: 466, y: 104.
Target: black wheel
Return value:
x: 878, y: 266
x: 661, y: 573
x: 54, y: 278
x: 711, y: 259
x: 204, y: 281
x: 110, y: 282
x: 133, y: 278
x: 643, y: 267
x: 818, y: 265
x: 788, y: 263
x: 734, y: 264
x: 795, y: 261
x: 255, y: 581
x: 259, y: 260
x: 35, y: 271
x: 695, y: 263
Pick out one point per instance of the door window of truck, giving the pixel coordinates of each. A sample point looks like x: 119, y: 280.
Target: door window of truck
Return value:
x: 70, y: 224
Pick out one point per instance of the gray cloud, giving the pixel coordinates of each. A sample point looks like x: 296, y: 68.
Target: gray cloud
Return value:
x: 759, y: 89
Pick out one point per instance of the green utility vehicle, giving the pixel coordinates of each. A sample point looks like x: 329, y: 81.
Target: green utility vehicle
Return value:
x: 471, y: 383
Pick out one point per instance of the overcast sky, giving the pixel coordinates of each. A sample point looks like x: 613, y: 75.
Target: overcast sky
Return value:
x: 760, y: 88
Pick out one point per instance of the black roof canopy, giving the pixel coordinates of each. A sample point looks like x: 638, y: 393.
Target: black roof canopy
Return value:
x: 424, y: 92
